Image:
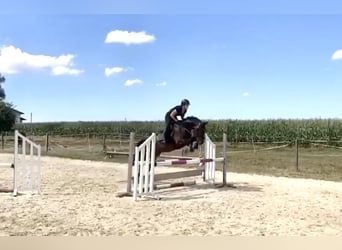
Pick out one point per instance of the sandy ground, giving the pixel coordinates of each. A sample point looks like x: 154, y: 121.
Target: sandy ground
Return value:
x: 79, y: 198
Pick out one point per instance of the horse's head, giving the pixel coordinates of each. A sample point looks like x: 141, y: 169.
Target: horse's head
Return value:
x: 197, y: 130
x: 198, y: 135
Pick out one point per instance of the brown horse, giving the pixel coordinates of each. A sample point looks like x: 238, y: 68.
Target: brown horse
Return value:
x: 189, y: 132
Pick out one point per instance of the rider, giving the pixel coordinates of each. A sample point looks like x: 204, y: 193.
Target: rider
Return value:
x: 171, y: 118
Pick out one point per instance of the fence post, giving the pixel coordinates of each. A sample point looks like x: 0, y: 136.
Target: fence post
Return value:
x: 225, y: 160
x: 296, y: 150
x: 47, y: 142
x: 254, y: 151
x: 104, y: 143
x: 2, y: 141
x: 88, y: 137
x: 130, y: 162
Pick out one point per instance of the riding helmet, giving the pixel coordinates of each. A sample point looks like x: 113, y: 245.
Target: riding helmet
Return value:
x: 185, y: 102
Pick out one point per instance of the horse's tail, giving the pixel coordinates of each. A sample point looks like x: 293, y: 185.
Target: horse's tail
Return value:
x: 140, y: 142
x: 137, y: 145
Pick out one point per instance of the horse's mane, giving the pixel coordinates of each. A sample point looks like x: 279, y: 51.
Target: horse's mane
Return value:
x: 192, y: 119
x: 190, y: 122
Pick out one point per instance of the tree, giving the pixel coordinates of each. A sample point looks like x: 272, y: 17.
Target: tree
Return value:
x: 2, y: 94
x: 2, y: 91
x: 7, y: 117
x: 2, y: 79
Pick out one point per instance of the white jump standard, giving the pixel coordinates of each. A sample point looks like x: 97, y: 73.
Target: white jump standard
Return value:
x: 26, y: 165
x: 144, y: 176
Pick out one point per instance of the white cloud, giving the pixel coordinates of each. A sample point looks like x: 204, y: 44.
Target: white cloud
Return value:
x: 337, y: 55
x: 13, y: 61
x: 246, y: 94
x: 62, y: 70
x: 127, y: 37
x: 116, y: 70
x: 161, y: 84
x: 133, y: 82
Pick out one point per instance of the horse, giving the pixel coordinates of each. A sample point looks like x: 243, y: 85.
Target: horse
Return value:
x: 188, y: 132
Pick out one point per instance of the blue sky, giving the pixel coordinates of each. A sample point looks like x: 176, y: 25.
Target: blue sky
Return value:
x: 88, y: 64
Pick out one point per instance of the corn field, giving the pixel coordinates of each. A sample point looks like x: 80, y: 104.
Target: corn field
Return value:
x: 280, y: 130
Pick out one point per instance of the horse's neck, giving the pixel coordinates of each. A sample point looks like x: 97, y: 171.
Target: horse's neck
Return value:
x: 187, y: 125
x: 181, y: 135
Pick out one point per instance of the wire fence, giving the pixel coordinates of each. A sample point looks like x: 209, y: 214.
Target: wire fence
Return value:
x: 318, y: 156
x: 84, y: 146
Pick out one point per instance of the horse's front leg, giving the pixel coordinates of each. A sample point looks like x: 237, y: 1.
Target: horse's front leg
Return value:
x: 193, y: 145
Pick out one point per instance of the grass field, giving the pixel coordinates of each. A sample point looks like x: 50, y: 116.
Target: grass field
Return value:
x: 269, y: 130
x: 316, y: 162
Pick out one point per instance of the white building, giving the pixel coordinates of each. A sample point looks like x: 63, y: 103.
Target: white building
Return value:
x: 18, y: 118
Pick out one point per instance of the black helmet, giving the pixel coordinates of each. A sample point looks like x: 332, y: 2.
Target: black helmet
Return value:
x: 185, y: 102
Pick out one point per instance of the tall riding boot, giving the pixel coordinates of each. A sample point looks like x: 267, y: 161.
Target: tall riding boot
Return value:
x: 167, y: 135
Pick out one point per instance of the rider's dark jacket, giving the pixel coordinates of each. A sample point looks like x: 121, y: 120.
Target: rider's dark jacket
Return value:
x: 169, y: 122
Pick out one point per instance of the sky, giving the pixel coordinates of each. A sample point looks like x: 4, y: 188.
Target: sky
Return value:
x: 96, y: 61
